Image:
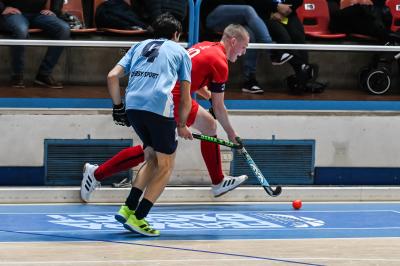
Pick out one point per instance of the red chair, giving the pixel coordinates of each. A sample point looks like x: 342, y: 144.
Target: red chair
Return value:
x: 394, y: 6
x: 117, y: 31
x: 314, y: 15
x: 74, y: 7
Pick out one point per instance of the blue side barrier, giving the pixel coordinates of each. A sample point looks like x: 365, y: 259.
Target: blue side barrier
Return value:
x: 192, y: 23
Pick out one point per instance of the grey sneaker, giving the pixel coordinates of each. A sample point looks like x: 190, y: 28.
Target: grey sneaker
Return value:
x: 124, y: 183
x: 89, y: 182
x: 47, y: 81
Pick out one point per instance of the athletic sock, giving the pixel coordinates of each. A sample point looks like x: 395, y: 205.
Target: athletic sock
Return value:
x: 212, y: 157
x: 132, y: 200
x: 122, y: 161
x: 143, y: 209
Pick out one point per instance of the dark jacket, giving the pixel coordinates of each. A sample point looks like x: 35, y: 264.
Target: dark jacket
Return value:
x: 33, y: 6
x: 117, y: 14
x: 25, y: 6
x: 264, y: 8
x: 372, y: 20
x: 151, y: 9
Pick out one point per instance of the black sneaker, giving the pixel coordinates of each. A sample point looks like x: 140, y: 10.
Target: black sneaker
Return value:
x: 294, y: 85
x: 47, y: 81
x: 315, y: 87
x: 278, y: 59
x: 17, y: 81
x: 251, y: 86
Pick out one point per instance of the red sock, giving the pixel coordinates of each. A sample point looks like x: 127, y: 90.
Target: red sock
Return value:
x: 212, y: 157
x: 122, y: 161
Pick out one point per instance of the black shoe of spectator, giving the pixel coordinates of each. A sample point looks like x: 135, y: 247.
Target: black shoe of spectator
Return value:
x: 251, y: 86
x: 278, y: 59
x: 310, y: 71
x: 47, y: 81
x: 295, y: 86
x: 17, y: 81
x: 315, y: 87
x: 135, y: 28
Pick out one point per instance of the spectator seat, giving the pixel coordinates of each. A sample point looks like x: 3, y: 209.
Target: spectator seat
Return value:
x: 394, y: 6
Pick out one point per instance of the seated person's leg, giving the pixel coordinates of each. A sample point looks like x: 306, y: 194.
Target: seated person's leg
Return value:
x: 250, y: 84
x: 245, y: 15
x: 295, y: 30
x: 308, y: 72
x: 56, y: 29
x: 18, y: 25
x: 223, y: 15
x: 279, y: 34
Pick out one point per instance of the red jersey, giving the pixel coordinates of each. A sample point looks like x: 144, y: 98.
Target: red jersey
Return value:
x: 209, y: 67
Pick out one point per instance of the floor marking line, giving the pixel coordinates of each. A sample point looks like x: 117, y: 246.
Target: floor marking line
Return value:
x: 172, y: 248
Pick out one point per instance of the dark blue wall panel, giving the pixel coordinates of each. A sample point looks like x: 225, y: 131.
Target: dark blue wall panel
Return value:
x: 21, y: 176
x: 356, y: 176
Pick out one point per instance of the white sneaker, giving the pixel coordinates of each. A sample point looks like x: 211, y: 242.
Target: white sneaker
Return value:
x: 251, y: 86
x: 281, y: 59
x: 228, y: 183
x: 89, y: 182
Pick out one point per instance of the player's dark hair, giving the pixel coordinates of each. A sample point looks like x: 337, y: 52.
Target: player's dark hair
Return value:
x: 165, y: 26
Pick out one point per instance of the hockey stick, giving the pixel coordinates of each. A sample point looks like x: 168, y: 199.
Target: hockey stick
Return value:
x: 222, y: 142
x: 257, y: 172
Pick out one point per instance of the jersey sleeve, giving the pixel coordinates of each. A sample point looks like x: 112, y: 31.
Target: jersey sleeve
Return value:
x: 126, y: 61
x: 185, y: 69
x: 220, y: 77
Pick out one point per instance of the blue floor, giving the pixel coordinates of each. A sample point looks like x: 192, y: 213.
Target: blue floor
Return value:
x: 77, y: 222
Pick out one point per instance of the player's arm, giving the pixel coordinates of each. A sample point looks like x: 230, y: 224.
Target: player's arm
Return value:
x: 204, y: 92
x: 113, y: 84
x: 119, y: 114
x: 219, y: 71
x: 185, y: 106
x: 221, y: 115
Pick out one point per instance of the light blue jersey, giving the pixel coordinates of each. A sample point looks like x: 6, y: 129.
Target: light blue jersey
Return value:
x: 154, y: 66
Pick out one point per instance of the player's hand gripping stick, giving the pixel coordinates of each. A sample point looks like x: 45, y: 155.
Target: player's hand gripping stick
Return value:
x: 119, y: 115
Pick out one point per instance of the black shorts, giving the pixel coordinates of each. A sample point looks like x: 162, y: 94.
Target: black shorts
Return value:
x: 156, y: 131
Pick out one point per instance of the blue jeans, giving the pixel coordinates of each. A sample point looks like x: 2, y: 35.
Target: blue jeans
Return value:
x: 245, y: 15
x: 19, y: 24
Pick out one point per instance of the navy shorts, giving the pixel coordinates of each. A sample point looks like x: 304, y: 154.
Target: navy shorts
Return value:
x: 156, y: 131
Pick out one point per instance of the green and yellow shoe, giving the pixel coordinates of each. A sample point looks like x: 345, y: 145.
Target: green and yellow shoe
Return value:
x: 123, y: 214
x: 140, y: 226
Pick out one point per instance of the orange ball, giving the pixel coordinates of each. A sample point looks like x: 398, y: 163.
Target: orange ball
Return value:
x: 296, y: 204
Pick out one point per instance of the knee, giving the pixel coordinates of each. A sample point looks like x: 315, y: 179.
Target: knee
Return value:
x: 249, y: 11
x: 64, y: 32
x: 165, y: 164
x: 211, y: 128
x: 165, y: 167
x: 20, y: 31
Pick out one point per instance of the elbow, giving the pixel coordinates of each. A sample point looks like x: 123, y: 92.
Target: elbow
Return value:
x: 112, y: 76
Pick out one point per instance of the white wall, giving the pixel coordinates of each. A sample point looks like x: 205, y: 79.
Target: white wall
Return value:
x: 343, y: 139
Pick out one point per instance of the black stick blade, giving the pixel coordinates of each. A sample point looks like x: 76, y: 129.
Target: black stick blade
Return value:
x: 273, y: 192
